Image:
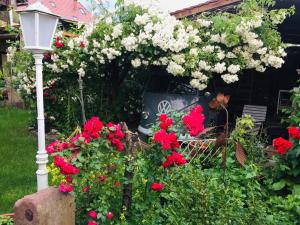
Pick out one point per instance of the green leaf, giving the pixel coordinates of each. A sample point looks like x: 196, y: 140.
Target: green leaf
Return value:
x: 296, y: 189
x: 279, y: 185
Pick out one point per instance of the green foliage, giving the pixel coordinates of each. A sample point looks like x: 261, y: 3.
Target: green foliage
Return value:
x: 286, y: 173
x: 4, y: 220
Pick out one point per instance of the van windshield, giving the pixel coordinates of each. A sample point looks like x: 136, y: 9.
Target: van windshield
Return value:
x: 171, y: 85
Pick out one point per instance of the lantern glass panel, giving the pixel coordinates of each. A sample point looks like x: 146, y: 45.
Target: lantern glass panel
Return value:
x: 28, y: 28
x: 47, y: 27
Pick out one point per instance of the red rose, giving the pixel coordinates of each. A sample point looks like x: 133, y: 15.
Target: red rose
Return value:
x: 58, y: 43
x: 86, y: 189
x: 92, y: 223
x: 82, y: 45
x: 167, y: 141
x: 165, y: 122
x: 115, y: 135
x: 194, y: 121
x: 174, y: 158
x: 157, y: 186
x: 65, y: 187
x: 117, y: 184
x: 93, y: 214
x: 294, y: 132
x: 281, y: 145
x: 109, y: 215
x: 93, y: 127
x: 68, y: 179
x: 103, y: 179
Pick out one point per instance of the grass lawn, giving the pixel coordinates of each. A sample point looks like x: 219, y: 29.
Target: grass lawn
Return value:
x: 17, y: 158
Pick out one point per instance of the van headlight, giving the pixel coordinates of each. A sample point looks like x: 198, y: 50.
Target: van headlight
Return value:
x: 145, y: 115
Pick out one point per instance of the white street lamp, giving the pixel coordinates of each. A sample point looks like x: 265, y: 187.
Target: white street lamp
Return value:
x: 38, y: 26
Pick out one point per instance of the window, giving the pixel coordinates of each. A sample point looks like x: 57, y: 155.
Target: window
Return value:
x: 21, y: 2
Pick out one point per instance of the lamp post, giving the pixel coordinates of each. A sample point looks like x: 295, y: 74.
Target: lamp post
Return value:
x: 38, y: 26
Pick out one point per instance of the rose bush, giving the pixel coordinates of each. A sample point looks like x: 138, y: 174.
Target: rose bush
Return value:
x: 166, y: 185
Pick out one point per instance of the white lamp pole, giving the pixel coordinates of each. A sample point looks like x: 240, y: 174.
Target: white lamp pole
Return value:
x: 38, y: 26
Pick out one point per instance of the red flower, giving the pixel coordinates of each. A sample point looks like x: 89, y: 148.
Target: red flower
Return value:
x: 115, y: 135
x: 68, y: 179
x: 93, y: 127
x: 281, y: 145
x: 82, y: 45
x: 109, y: 215
x: 165, y: 122
x: 194, y: 121
x: 93, y: 214
x: 65, y: 187
x: 175, y: 158
x: 53, y: 147
x: 166, y: 140
x: 58, y: 43
x: 103, y: 179
x: 157, y: 186
x: 92, y: 223
x: 294, y: 132
x: 86, y: 189
x: 117, y: 184
x: 65, y: 167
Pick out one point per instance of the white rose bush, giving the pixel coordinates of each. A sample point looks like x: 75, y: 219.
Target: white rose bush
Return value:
x: 218, y: 44
x: 134, y: 39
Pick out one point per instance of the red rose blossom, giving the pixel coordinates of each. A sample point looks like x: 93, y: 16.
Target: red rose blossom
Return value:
x: 109, y: 215
x: 92, y: 223
x: 82, y: 45
x: 166, y: 140
x: 282, y: 145
x: 157, y: 186
x: 58, y: 43
x: 174, y: 158
x: 294, y: 132
x: 115, y: 135
x: 194, y: 121
x: 93, y: 214
x: 93, y: 127
x: 65, y: 187
x: 117, y: 184
x: 165, y: 121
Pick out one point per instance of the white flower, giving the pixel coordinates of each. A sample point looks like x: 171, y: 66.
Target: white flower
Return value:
x: 233, y: 69
x: 70, y: 62
x: 208, y: 48
x: 204, y: 23
x: 71, y: 44
x: 219, y: 67
x: 130, y: 42
x: 194, y: 52
x: 196, y: 84
x: 260, y: 68
x: 142, y: 19
x: 221, y: 55
x: 200, y: 76
x: 204, y: 65
x: 230, y: 78
x: 117, y: 30
x: 179, y: 59
x: 81, y: 72
x: 136, y: 63
x: 175, y: 69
